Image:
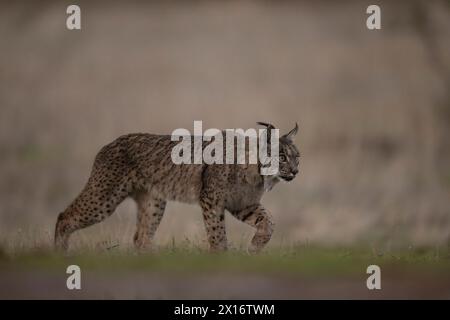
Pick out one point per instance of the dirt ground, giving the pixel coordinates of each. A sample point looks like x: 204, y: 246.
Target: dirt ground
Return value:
x: 42, y: 285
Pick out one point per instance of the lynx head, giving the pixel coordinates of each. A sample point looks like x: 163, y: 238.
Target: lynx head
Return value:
x: 288, y: 156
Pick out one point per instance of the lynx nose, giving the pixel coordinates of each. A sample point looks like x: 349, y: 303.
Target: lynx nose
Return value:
x: 294, y: 171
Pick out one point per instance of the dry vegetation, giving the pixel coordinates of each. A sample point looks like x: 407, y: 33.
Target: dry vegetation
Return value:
x: 372, y: 107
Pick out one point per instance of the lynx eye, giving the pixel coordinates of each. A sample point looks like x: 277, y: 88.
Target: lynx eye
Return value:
x: 282, y: 158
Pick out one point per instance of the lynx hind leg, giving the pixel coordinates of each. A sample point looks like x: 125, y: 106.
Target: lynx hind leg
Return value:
x: 258, y: 217
x: 150, y: 212
x: 93, y: 205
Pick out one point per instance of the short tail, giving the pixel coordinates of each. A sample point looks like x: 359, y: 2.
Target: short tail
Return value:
x: 61, y: 233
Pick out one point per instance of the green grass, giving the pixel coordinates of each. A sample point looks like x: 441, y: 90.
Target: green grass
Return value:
x: 302, y: 261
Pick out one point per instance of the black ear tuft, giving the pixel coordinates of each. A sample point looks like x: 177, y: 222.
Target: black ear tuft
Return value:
x: 291, y: 133
x: 269, y: 128
x: 268, y: 125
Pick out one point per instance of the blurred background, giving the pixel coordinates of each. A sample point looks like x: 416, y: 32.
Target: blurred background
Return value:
x: 373, y: 109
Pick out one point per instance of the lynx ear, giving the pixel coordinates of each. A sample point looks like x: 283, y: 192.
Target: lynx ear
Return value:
x: 291, y: 133
x: 269, y: 128
x: 268, y: 125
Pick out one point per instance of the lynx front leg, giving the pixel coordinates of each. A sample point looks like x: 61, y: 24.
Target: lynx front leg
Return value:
x: 214, y: 219
x: 257, y: 216
x: 150, y: 213
x: 212, y: 202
